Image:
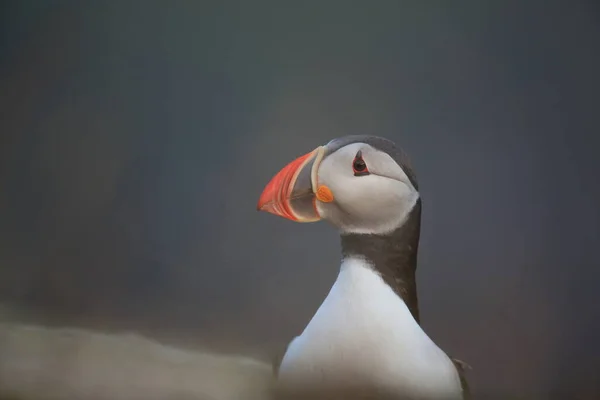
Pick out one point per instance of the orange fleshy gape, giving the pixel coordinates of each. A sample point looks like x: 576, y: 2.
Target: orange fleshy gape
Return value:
x: 324, y: 194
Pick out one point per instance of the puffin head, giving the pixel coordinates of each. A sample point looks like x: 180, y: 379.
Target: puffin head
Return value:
x: 360, y: 184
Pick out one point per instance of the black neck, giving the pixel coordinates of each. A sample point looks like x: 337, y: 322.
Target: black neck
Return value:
x: 393, y: 255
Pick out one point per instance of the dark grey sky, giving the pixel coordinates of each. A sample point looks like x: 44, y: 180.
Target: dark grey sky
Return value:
x: 136, y: 139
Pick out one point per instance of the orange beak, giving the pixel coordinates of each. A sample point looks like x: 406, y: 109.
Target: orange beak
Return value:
x: 292, y: 192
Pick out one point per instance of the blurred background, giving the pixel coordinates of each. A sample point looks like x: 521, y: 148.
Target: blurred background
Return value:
x: 136, y: 137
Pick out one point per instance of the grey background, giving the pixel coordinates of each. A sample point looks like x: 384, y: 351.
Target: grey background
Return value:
x: 136, y: 138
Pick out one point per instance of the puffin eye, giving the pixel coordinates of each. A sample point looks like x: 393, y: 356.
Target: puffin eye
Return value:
x: 359, y: 166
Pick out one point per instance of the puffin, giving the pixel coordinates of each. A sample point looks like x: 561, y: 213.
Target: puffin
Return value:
x: 365, y: 340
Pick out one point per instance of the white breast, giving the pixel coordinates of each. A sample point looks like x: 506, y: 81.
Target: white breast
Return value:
x: 364, y: 332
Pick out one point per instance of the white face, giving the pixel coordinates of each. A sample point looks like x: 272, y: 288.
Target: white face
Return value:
x: 376, y: 203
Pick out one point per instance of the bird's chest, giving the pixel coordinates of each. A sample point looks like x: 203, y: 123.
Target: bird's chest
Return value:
x: 364, y: 333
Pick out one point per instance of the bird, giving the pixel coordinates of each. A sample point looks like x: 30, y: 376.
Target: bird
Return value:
x: 366, y: 336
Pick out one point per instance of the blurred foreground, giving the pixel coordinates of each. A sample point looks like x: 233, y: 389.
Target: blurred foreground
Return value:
x: 63, y: 363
